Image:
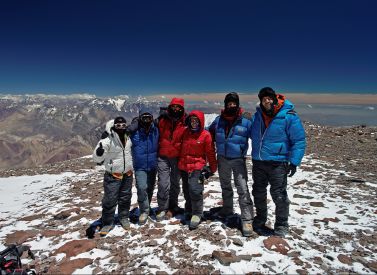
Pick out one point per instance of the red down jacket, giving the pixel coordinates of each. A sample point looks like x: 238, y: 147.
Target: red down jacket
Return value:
x: 197, y: 148
x: 170, y: 133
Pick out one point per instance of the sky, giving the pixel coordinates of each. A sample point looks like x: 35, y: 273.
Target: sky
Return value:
x: 172, y: 46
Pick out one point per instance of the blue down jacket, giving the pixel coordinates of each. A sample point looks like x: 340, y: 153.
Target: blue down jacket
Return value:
x: 145, y: 148
x: 235, y: 145
x: 282, y: 140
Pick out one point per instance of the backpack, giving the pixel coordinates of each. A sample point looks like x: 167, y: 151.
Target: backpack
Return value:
x: 10, y: 260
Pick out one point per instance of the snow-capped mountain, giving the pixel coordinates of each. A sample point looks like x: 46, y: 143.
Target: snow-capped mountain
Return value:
x: 40, y: 129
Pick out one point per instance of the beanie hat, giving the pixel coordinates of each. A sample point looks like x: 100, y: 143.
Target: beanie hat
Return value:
x: 232, y: 97
x: 267, y: 91
x: 119, y: 119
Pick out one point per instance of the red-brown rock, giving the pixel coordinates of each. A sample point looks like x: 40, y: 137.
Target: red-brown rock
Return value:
x: 20, y: 237
x: 68, y: 267
x: 75, y: 247
x: 277, y: 244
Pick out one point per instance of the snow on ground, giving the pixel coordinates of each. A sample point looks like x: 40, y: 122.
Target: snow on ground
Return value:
x: 328, y: 214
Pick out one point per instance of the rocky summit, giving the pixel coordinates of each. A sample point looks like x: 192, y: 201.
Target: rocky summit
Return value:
x: 333, y: 224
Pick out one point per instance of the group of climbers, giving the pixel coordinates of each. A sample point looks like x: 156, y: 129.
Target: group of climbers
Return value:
x: 177, y: 146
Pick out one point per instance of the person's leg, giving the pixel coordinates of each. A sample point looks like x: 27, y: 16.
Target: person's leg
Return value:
x: 225, y: 176
x: 186, y: 193
x: 151, y: 182
x: 260, y: 183
x: 175, y: 189
x: 110, y: 198
x: 125, y: 195
x: 278, y: 190
x: 240, y: 181
x: 142, y: 194
x: 196, y: 193
x: 163, y: 184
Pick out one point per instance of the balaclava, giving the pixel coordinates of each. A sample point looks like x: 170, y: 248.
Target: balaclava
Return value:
x: 231, y: 97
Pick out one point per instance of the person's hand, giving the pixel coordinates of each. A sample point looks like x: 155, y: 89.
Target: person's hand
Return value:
x: 291, y: 170
x: 206, y: 172
x: 129, y: 173
x: 100, y: 150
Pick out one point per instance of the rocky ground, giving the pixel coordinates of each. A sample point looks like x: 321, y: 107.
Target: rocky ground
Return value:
x: 333, y: 221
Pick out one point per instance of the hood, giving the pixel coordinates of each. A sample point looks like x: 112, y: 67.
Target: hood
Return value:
x: 199, y: 115
x: 145, y: 109
x: 178, y: 101
x: 109, y: 125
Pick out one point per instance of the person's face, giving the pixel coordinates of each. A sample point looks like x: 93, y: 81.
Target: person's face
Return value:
x: 175, y: 107
x: 267, y: 102
x: 194, y: 121
x: 231, y: 104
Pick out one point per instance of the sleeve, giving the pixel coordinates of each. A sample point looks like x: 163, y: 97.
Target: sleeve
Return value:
x: 212, y: 128
x: 132, y: 128
x: 106, y: 146
x: 210, y: 153
x: 297, y: 140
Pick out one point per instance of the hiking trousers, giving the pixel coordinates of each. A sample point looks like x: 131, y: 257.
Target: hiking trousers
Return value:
x: 145, y: 182
x: 275, y: 174
x: 168, y: 183
x: 192, y: 185
x: 237, y: 166
x: 117, y: 192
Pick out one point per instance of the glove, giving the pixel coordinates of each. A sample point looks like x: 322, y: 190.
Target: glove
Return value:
x: 100, y: 150
x: 206, y: 172
x: 291, y: 170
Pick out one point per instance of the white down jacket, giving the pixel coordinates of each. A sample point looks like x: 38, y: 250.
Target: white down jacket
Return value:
x: 116, y: 158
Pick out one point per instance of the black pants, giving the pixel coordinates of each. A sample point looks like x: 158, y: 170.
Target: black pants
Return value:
x: 275, y: 174
x: 193, y: 192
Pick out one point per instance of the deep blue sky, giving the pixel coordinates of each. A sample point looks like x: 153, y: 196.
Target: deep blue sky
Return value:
x: 124, y: 47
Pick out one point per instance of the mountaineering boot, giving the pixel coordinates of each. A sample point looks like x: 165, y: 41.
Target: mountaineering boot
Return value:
x: 194, y: 223
x: 143, y: 218
x: 247, y: 229
x: 125, y: 223
x: 161, y: 216
x: 281, y: 231
x: 105, y: 230
x: 263, y: 230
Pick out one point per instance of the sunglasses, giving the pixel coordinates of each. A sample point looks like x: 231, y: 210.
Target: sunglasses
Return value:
x: 120, y: 125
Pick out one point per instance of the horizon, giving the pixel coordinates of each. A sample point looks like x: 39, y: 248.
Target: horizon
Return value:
x: 148, y: 48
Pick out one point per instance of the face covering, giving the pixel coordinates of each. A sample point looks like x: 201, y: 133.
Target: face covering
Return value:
x: 231, y: 111
x: 176, y: 113
x: 146, y: 121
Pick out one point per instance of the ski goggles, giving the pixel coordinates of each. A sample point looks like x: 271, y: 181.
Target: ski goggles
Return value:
x: 146, y: 118
x: 120, y: 125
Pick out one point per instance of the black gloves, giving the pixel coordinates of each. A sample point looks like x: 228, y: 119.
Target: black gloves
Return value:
x: 100, y: 150
x: 291, y: 170
x: 206, y: 172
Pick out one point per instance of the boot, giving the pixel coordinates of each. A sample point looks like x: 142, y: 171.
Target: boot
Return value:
x: 161, y: 216
x: 105, y: 230
x: 143, y: 218
x: 281, y: 231
x: 247, y: 229
x: 194, y: 223
x: 125, y: 223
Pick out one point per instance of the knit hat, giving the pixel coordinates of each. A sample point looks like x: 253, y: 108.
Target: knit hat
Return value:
x: 232, y: 97
x: 267, y: 91
x: 119, y: 119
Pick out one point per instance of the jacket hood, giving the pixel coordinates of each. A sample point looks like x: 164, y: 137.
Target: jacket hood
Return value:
x: 109, y: 125
x: 199, y: 115
x: 145, y: 110
x: 178, y: 101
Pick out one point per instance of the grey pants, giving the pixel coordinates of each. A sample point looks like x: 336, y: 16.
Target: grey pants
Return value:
x: 117, y: 192
x: 168, y: 183
x: 145, y: 182
x: 193, y: 188
x: 275, y: 174
x: 238, y: 167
